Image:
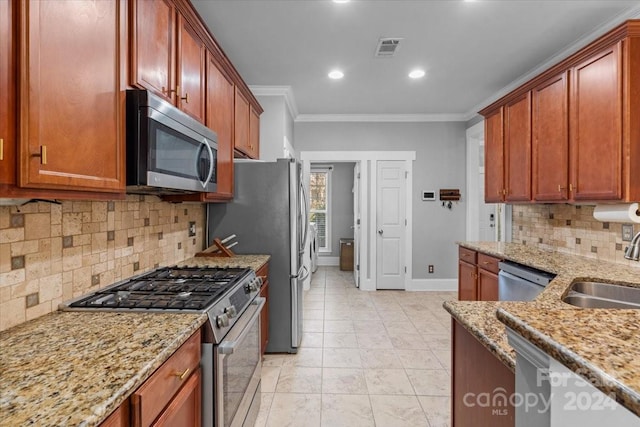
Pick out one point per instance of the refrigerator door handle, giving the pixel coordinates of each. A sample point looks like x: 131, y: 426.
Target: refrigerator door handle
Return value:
x: 305, y: 221
x: 301, y: 275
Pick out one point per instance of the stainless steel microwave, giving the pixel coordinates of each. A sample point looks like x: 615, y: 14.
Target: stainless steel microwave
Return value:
x: 168, y: 151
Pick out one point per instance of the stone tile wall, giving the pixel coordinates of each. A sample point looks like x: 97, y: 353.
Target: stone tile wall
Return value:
x: 50, y: 253
x: 570, y: 229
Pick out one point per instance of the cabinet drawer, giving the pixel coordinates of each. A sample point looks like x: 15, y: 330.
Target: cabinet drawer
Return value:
x: 488, y: 263
x: 152, y: 396
x: 467, y: 255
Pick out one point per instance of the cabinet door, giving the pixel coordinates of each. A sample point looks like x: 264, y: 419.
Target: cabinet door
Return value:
x: 220, y: 118
x: 467, y: 281
x: 191, y: 66
x: 72, y: 102
x: 7, y: 99
x: 184, y: 408
x: 477, y: 372
x: 264, y: 317
x: 551, y: 140
x: 241, y: 122
x: 254, y: 134
x: 153, y: 46
x: 487, y: 285
x: 493, y: 157
x: 517, y: 149
x: 596, y: 127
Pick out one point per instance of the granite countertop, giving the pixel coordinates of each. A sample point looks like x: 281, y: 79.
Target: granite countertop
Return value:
x: 602, y: 345
x: 75, y: 368
x: 253, y: 262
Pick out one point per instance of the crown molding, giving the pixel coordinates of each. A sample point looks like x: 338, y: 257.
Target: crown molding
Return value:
x: 380, y: 118
x: 558, y: 57
x: 285, y: 91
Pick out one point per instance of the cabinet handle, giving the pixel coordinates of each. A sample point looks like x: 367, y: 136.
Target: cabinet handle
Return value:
x: 1, y: 148
x: 504, y: 192
x: 560, y: 188
x: 42, y: 154
x: 182, y: 375
x: 572, y: 188
x: 185, y: 98
x: 486, y: 262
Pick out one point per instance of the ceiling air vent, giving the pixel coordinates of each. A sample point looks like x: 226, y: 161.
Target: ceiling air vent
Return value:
x: 387, y: 47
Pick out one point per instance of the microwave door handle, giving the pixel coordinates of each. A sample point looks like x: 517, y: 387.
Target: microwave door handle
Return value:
x: 206, y: 181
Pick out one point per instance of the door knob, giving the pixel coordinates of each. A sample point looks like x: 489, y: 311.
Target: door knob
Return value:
x: 380, y: 232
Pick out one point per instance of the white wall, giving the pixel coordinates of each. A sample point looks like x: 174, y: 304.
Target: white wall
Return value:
x: 440, y: 163
x: 276, y: 124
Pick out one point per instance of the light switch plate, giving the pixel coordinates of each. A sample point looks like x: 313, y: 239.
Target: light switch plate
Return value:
x: 627, y: 232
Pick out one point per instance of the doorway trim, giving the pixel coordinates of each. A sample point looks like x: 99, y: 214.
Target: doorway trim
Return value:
x: 368, y: 165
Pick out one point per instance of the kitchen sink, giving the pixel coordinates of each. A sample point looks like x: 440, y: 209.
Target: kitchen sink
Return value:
x: 603, y: 295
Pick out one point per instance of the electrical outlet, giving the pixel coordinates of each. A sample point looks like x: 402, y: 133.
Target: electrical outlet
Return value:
x: 627, y: 232
x: 430, y: 268
x: 192, y: 228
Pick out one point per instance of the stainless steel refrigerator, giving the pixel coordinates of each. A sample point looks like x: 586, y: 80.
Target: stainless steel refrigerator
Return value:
x: 269, y: 216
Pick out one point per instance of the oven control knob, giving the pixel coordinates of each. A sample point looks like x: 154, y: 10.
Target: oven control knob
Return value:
x: 253, y: 286
x: 231, y: 311
x: 222, y: 321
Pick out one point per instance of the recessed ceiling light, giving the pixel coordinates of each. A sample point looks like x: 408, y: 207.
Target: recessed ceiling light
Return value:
x: 416, y: 74
x: 341, y: 1
x: 336, y: 74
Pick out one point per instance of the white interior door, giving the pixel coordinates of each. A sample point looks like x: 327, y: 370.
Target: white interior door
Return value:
x: 391, y: 225
x: 356, y: 224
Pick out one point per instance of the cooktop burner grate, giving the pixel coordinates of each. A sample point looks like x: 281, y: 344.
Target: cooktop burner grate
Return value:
x: 168, y: 288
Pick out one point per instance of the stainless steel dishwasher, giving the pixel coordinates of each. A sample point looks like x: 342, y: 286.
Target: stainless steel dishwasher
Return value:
x: 518, y: 282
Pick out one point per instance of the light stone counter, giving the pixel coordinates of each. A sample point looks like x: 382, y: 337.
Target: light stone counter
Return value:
x: 602, y: 345
x: 253, y: 262
x: 75, y: 368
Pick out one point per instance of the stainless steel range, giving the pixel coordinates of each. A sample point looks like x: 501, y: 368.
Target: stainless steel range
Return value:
x: 231, y: 359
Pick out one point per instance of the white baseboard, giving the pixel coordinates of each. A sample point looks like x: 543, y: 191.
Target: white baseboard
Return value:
x: 328, y: 260
x: 432, y: 285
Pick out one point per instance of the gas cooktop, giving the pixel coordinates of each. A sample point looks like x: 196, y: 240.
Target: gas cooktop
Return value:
x: 168, y: 288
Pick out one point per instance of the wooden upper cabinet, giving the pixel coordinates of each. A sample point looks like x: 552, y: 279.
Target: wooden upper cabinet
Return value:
x: 8, y: 97
x: 168, y: 57
x: 72, y: 102
x: 191, y: 76
x: 220, y: 118
x: 493, y: 157
x: 517, y: 149
x: 550, y: 122
x: 254, y: 133
x: 596, y: 126
x: 153, y: 46
x: 241, y: 142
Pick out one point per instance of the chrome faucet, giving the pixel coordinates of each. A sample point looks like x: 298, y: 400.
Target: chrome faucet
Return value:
x: 633, y: 250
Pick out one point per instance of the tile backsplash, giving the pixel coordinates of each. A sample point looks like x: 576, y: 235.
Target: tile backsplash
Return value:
x: 570, y: 229
x: 50, y: 253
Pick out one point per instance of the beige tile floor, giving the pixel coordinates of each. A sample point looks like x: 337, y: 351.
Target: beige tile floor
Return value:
x: 367, y: 359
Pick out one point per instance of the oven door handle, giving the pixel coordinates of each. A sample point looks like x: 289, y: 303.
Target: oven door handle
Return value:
x: 228, y: 347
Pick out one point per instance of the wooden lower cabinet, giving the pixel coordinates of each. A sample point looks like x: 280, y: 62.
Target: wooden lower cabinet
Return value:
x: 481, y: 385
x: 263, y: 272
x: 477, y: 276
x: 119, y: 417
x: 185, y: 408
x: 171, y: 395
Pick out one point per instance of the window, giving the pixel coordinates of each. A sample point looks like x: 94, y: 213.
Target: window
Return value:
x: 320, y: 189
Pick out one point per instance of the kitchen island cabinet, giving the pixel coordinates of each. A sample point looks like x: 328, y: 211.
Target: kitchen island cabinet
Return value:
x: 476, y: 373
